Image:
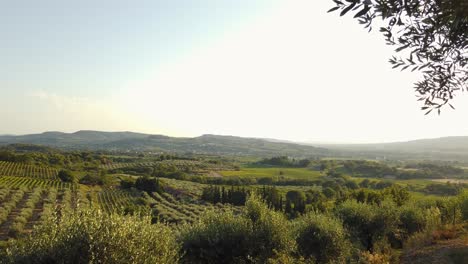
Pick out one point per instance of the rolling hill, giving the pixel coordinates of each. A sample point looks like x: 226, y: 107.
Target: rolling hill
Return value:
x: 124, y: 141
x: 444, y: 148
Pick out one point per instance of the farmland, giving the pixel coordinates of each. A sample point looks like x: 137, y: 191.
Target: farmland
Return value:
x: 187, y: 194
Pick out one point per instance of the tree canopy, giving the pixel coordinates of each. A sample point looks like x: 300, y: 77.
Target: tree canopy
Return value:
x: 432, y: 35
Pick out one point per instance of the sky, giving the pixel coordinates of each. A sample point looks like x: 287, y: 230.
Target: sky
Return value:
x: 282, y: 69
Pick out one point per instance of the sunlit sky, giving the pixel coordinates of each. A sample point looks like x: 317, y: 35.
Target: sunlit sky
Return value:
x: 274, y: 69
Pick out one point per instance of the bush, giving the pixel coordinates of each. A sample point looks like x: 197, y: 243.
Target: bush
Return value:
x: 412, y: 219
x: 93, y: 179
x: 149, y: 184
x: 368, y: 223
x: 217, y: 238
x: 256, y: 235
x: 66, y: 176
x: 271, y: 230
x: 322, y: 238
x: 95, y: 237
x: 463, y: 200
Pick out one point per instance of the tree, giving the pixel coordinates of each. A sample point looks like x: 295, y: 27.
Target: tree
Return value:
x: 91, y: 236
x: 66, y: 176
x: 323, y: 238
x: 148, y: 184
x: 434, y: 34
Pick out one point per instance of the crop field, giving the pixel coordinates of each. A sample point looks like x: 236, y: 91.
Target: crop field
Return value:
x: 25, y: 170
x: 23, y: 208
x: 18, y: 182
x: 114, y: 200
x: 184, y: 189
x: 114, y: 166
x: 171, y: 210
x: 182, y: 165
x: 293, y: 173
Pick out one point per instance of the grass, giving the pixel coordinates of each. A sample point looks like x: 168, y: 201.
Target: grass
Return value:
x: 259, y: 172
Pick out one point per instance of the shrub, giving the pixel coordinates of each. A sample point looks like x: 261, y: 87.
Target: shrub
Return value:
x: 94, y: 237
x: 93, y: 179
x: 217, y: 238
x: 271, y: 230
x: 322, y: 238
x: 66, y: 176
x: 368, y: 223
x: 412, y: 219
x: 463, y: 200
x: 149, y: 184
x: 258, y: 234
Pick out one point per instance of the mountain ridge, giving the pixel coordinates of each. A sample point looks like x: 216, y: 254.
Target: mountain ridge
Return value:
x: 132, y: 141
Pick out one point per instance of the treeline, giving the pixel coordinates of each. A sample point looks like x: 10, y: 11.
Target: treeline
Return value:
x: 285, y: 161
x: 232, y: 195
x: 147, y: 184
x: 424, y: 170
x: 297, y: 202
x: 81, y: 160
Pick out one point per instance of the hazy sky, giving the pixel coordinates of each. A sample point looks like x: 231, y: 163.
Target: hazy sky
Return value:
x: 277, y: 69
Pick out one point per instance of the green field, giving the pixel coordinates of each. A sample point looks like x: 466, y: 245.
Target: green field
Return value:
x: 259, y: 172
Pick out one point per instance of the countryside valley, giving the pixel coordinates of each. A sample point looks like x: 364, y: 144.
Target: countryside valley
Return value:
x: 295, y: 203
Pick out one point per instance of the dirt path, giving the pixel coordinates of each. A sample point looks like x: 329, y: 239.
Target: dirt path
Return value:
x: 39, y: 206
x: 214, y: 174
x: 5, y: 227
x: 453, y: 251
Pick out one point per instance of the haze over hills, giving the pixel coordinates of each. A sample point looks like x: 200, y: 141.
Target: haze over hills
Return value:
x: 206, y: 144
x: 445, y: 148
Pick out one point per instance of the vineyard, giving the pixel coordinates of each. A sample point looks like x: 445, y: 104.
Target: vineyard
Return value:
x: 171, y: 210
x: 30, y: 194
x: 181, y: 165
x: 25, y: 170
x: 114, y: 201
x: 23, y: 208
x: 17, y: 182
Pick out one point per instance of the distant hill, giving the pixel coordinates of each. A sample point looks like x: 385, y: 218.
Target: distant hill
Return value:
x: 124, y: 141
x: 445, y: 148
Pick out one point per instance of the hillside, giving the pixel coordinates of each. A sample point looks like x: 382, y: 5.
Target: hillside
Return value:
x: 206, y: 144
x: 445, y: 148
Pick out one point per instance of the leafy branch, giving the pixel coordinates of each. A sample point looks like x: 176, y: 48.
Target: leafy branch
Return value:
x: 433, y: 34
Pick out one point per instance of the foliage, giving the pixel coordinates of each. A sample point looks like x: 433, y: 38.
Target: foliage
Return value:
x: 221, y: 237
x: 412, y: 219
x: 434, y: 34
x: 322, y: 238
x: 216, y: 194
x: 94, y: 178
x: 285, y: 161
x: 67, y: 176
x: 368, y: 223
x: 90, y: 236
x: 148, y: 184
